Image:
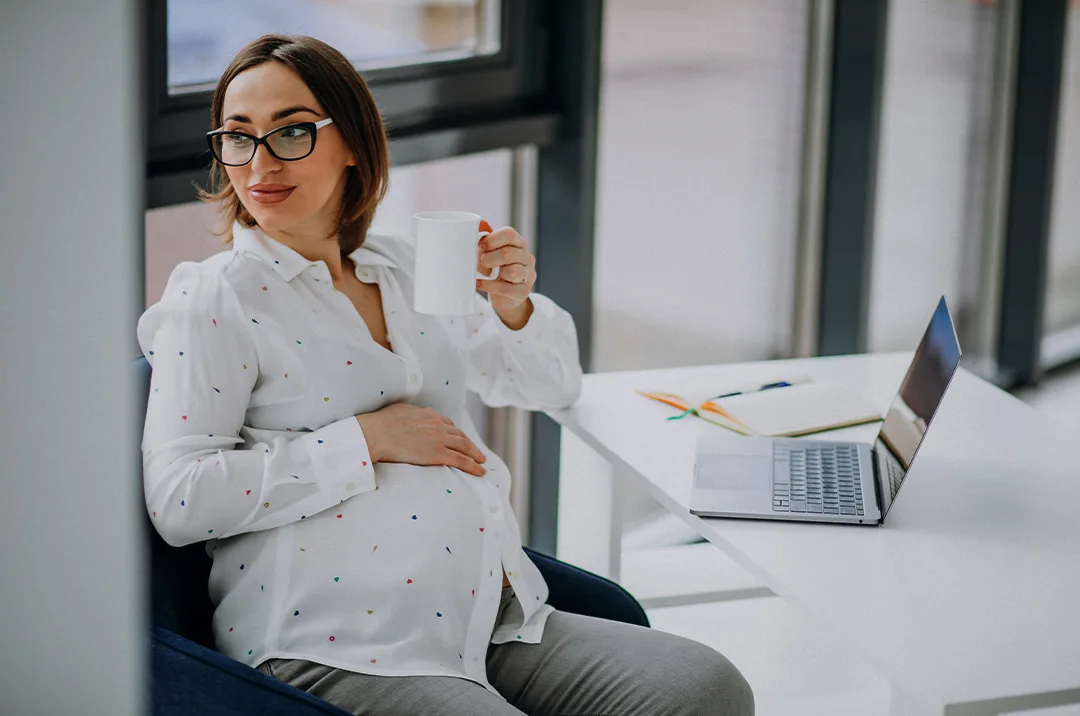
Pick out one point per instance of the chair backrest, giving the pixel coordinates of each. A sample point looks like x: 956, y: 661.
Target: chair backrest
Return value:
x: 179, y: 597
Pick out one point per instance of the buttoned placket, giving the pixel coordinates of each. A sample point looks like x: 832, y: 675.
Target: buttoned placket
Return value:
x: 496, y: 537
x: 401, y: 349
x: 498, y: 530
x: 395, y: 317
x: 481, y: 626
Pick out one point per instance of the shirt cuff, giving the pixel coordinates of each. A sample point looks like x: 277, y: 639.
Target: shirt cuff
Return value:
x: 544, y: 311
x: 340, y: 455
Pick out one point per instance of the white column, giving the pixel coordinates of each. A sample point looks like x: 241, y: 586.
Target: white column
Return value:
x: 73, y: 628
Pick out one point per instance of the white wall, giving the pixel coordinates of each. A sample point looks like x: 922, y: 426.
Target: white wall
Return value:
x: 73, y: 636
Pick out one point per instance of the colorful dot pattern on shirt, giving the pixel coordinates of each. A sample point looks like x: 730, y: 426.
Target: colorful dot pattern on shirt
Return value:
x: 193, y: 419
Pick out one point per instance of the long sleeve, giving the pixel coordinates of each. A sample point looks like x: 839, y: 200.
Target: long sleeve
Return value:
x: 198, y: 485
x: 534, y: 368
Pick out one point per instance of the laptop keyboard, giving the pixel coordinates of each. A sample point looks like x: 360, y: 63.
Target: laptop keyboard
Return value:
x: 817, y: 480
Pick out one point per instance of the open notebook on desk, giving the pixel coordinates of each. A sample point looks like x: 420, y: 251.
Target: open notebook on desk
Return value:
x: 781, y: 408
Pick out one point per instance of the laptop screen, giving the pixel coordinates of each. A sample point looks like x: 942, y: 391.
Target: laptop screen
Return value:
x: 935, y: 362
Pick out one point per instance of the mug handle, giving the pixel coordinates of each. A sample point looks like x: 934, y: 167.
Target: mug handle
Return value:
x: 485, y: 229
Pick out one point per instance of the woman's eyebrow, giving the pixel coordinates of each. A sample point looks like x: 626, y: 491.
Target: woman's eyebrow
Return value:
x: 280, y: 114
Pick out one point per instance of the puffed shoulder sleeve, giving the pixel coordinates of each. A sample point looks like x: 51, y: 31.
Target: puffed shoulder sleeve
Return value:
x: 200, y: 480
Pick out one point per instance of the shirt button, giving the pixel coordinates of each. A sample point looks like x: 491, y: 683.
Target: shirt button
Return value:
x: 415, y: 378
x: 493, y: 508
x: 351, y: 486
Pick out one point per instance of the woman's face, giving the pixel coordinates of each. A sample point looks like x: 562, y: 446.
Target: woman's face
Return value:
x: 291, y: 197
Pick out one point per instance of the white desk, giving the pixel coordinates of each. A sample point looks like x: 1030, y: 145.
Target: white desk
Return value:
x: 967, y: 598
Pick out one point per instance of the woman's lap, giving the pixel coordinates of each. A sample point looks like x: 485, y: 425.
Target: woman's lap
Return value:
x: 388, y: 695
x: 583, y: 665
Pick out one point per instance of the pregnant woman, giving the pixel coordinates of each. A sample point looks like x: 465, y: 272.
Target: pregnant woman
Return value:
x: 309, y: 426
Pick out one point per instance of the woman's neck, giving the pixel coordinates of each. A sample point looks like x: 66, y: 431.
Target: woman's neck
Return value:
x: 313, y: 246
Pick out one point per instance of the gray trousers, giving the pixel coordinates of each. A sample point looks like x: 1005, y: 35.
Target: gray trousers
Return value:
x: 582, y: 667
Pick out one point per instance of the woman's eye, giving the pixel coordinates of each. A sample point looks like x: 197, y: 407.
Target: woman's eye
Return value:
x: 295, y: 133
x: 237, y: 140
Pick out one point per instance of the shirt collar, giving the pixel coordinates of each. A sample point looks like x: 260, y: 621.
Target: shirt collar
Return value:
x: 287, y: 261
x: 372, y: 254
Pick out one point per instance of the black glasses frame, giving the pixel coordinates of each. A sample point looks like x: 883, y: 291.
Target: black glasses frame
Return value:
x: 312, y: 127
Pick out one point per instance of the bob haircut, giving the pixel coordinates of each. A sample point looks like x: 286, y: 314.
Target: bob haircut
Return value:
x: 345, y: 96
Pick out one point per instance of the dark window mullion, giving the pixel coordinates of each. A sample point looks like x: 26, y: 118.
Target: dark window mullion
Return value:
x: 1040, y: 54
x: 847, y: 235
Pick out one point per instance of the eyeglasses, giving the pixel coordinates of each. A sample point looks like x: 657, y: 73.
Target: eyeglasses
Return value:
x: 289, y: 143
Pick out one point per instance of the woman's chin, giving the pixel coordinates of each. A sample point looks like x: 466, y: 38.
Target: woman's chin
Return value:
x: 272, y: 220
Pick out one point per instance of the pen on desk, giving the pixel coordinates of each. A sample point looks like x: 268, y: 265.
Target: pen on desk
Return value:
x: 778, y: 384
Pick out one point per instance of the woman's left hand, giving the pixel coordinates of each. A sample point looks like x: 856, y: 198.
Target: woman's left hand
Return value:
x: 509, y: 293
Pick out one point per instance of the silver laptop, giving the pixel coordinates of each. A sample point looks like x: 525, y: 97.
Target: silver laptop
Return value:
x: 818, y: 481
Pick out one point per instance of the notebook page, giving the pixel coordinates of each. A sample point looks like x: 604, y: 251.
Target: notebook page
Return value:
x: 800, y: 409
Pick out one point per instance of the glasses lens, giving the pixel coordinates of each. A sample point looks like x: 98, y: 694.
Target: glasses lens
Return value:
x: 292, y: 142
x: 233, y: 149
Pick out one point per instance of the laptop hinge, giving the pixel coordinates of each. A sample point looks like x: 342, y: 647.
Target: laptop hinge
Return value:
x: 878, y: 489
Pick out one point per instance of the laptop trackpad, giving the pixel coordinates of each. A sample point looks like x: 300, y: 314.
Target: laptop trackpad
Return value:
x: 733, y: 472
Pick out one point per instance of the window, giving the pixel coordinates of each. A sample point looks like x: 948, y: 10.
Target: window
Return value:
x: 934, y: 152
x: 450, y: 77
x: 699, y: 204
x: 203, y: 35
x: 1062, y: 313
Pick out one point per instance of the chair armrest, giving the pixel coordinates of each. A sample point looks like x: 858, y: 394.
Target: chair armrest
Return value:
x: 190, y: 679
x: 577, y: 591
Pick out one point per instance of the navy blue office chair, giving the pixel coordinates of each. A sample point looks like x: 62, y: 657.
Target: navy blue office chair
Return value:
x: 190, y: 677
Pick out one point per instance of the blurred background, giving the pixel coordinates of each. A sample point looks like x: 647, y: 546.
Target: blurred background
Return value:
x: 703, y: 181
x: 712, y: 128
x: 702, y: 164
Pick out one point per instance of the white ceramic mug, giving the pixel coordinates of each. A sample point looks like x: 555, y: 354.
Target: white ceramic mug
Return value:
x: 447, y: 249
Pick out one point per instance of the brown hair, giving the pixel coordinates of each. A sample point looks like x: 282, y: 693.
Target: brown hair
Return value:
x: 345, y: 96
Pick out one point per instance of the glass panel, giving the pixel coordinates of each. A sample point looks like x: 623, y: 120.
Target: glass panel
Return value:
x: 174, y: 234
x: 932, y: 164
x: 698, y: 186
x: 1063, y: 285
x: 479, y: 183
x: 204, y: 35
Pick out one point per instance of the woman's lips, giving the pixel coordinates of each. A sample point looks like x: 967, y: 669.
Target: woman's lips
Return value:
x: 271, y: 196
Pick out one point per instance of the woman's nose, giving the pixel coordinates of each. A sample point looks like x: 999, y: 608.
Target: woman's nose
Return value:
x: 264, y: 161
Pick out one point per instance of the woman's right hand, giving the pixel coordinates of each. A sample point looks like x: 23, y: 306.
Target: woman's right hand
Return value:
x: 419, y: 436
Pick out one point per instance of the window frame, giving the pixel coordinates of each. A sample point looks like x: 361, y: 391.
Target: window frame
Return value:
x: 432, y: 110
